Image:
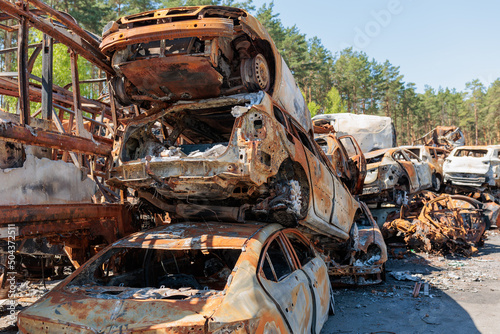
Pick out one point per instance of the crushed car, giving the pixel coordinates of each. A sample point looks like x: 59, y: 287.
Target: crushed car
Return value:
x: 242, y: 157
x: 198, y: 52
x: 371, y: 132
x: 226, y: 129
x: 435, y: 156
x: 206, y: 277
x: 394, y: 173
x: 346, y: 158
x: 441, y: 224
x: 474, y: 167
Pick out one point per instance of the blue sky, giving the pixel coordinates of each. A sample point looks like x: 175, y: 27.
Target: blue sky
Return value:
x: 438, y: 43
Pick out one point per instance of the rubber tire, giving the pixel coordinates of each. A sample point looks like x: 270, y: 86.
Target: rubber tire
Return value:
x: 436, y: 183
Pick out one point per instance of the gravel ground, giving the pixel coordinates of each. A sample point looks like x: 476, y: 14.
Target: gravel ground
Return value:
x: 464, y: 296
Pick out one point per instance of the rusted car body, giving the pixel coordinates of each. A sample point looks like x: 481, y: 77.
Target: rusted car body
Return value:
x: 445, y: 224
x: 393, y: 173
x: 473, y: 167
x: 190, y: 53
x: 435, y: 156
x: 227, y: 127
x: 347, y: 158
x: 243, y: 157
x: 371, y: 132
x: 361, y: 259
x: 192, y: 277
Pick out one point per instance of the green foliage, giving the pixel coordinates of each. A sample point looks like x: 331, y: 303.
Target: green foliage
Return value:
x: 314, y: 108
x: 334, y: 103
x: 247, y: 4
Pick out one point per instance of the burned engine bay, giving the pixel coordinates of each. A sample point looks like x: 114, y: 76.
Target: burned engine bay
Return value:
x: 228, y: 157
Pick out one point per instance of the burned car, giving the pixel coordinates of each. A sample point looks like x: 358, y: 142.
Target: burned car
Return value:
x: 473, y: 167
x: 225, y: 126
x: 237, y: 157
x: 190, y: 53
x: 393, y: 173
x: 206, y: 277
x: 346, y: 158
x: 435, y: 156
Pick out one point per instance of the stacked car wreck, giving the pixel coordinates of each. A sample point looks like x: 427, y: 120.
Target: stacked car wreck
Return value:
x: 249, y: 154
x: 209, y: 125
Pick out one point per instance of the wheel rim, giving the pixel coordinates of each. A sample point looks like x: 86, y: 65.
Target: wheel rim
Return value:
x: 261, y: 72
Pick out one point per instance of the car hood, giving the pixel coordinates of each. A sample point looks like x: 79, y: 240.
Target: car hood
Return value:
x: 467, y: 165
x: 60, y: 310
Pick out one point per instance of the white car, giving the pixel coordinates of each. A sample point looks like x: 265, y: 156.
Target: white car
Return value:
x: 473, y: 167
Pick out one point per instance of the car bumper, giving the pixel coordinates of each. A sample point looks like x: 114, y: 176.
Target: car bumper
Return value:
x: 471, y: 181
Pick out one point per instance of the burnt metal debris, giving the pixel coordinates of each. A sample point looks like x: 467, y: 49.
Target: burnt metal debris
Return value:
x: 444, y: 224
x: 447, y: 137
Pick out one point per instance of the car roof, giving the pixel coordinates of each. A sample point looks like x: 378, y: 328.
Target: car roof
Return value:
x: 372, y: 154
x: 472, y: 147
x: 198, y: 235
x: 483, y: 147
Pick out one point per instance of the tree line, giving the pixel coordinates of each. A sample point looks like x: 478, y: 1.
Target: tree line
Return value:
x: 345, y: 81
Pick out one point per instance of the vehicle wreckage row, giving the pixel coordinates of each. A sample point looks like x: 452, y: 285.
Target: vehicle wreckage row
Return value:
x: 220, y: 133
x: 223, y: 142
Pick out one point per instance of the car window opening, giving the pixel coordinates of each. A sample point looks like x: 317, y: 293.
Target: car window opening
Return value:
x: 187, y: 271
x: 375, y: 159
x: 471, y: 153
x: 276, y: 266
x: 303, y: 250
x: 201, y: 134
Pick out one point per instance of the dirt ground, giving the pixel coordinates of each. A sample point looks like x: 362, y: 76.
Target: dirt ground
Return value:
x: 464, y: 296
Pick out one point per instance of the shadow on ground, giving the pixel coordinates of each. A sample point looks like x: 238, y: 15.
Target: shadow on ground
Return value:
x: 464, y: 296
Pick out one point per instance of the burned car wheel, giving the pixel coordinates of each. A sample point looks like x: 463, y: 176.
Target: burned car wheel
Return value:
x: 436, y: 182
x: 255, y: 73
x: 291, y: 195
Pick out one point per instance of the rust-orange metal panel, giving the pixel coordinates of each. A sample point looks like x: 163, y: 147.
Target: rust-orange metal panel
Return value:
x: 187, y: 76
x: 20, y: 134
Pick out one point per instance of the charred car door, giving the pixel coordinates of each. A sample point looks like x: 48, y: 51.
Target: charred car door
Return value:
x: 357, y: 163
x: 321, y: 178
x: 314, y: 267
x: 287, y: 285
x: 422, y: 169
x: 409, y: 168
